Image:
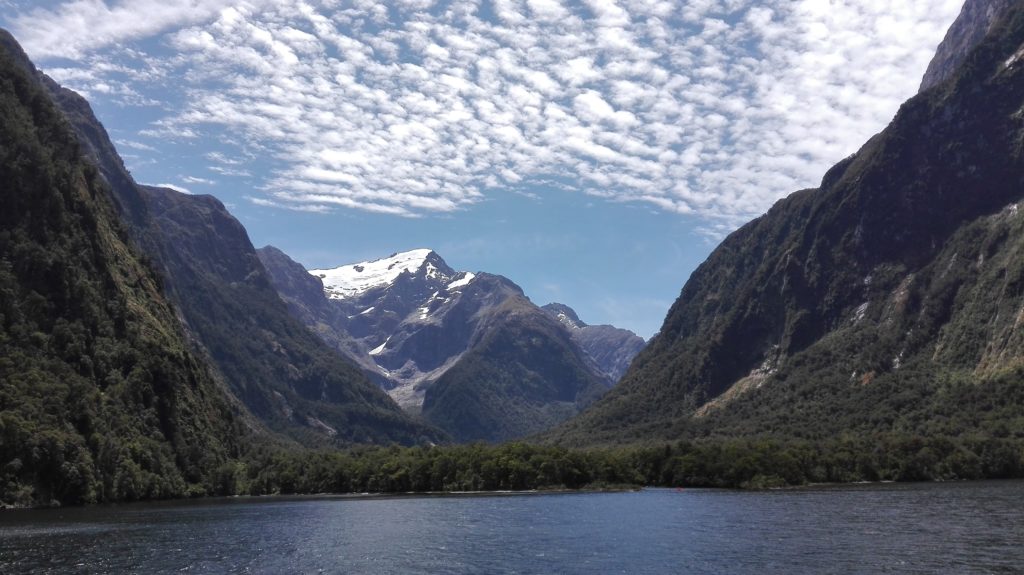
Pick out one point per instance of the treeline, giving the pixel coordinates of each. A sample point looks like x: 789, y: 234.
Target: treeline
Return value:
x: 733, y: 463
x: 729, y: 463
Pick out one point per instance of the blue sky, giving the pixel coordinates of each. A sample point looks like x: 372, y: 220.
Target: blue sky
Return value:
x: 594, y: 152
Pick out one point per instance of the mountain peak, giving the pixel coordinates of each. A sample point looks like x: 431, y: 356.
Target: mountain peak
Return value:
x: 564, y: 314
x: 352, y: 280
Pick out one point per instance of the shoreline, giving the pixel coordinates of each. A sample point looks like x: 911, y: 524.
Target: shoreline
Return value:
x: 367, y: 496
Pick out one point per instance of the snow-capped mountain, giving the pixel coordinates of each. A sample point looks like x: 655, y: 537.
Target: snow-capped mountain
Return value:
x: 354, y: 280
x: 409, y: 319
x: 402, y: 310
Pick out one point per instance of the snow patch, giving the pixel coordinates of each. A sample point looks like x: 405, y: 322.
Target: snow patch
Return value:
x: 462, y: 282
x: 1013, y: 59
x: 367, y: 310
x: 354, y: 279
x: 862, y: 310
x: 380, y: 348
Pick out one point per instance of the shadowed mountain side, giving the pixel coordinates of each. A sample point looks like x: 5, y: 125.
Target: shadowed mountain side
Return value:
x: 274, y: 364
x: 101, y: 398
x: 524, y: 375
x: 304, y: 295
x: 892, y: 288
x: 611, y: 348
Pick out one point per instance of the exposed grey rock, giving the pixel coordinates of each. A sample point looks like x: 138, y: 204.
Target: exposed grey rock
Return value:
x: 975, y: 21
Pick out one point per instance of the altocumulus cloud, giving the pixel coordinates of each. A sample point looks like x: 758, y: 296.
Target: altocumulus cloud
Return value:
x: 708, y: 107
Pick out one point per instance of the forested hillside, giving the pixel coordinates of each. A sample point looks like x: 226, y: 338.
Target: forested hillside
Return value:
x: 100, y: 397
x: 889, y: 299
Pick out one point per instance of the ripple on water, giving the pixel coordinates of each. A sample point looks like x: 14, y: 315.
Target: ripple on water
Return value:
x: 920, y: 528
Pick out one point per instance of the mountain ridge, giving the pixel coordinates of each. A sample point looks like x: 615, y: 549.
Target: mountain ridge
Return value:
x: 611, y: 348
x: 974, y: 22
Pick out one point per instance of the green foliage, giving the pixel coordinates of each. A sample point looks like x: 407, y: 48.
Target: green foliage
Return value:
x: 99, y: 398
x: 870, y: 304
x: 525, y: 376
x: 732, y: 463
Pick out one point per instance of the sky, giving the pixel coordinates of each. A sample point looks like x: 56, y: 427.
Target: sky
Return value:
x: 594, y: 152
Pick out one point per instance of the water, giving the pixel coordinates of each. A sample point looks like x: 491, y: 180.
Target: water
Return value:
x: 920, y: 528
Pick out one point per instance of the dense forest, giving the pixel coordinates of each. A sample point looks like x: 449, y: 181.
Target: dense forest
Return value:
x: 730, y: 463
x: 100, y: 396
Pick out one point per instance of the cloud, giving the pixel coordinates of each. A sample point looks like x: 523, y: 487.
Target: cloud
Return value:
x: 715, y: 108
x: 75, y: 28
x: 135, y: 145
x: 174, y: 187
x: 313, y: 208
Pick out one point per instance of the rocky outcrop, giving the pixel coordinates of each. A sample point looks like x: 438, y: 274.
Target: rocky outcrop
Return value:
x: 975, y: 21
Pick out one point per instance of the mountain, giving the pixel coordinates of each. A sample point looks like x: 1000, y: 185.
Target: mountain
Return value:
x: 280, y: 370
x: 887, y: 300
x: 409, y: 313
x: 974, y: 23
x: 612, y: 348
x: 101, y: 396
x: 287, y: 377
x: 417, y: 324
x: 522, y: 374
x: 304, y: 295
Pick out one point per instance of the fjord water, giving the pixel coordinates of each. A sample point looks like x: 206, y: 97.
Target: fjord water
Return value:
x: 909, y: 528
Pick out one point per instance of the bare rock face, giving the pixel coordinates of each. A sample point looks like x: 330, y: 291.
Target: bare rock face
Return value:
x: 611, y: 348
x: 974, y: 23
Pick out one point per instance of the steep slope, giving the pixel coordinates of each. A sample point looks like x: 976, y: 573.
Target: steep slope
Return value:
x: 523, y: 375
x: 277, y: 375
x: 974, y: 23
x: 304, y: 295
x: 411, y: 319
x: 278, y: 368
x: 100, y: 397
x: 611, y: 348
x: 854, y: 306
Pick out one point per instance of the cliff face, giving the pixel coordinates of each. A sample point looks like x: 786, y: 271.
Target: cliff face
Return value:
x: 975, y: 21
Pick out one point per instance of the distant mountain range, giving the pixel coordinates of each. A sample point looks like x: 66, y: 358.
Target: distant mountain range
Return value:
x: 452, y: 344
x: 889, y: 299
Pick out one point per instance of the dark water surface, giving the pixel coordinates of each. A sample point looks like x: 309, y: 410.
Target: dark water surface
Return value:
x: 919, y: 528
